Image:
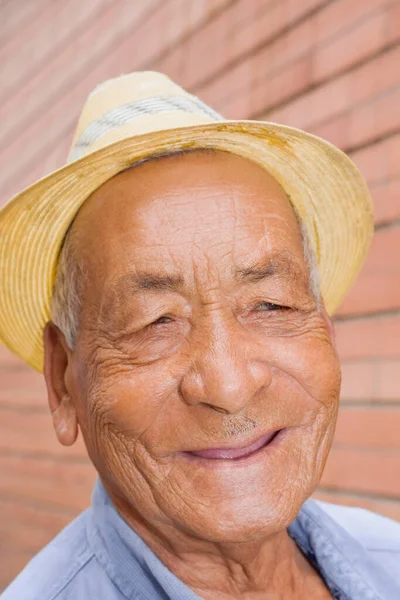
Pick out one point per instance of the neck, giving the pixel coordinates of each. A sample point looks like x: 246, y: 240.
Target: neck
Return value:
x: 271, y: 568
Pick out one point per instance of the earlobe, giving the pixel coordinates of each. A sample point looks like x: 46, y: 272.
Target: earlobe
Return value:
x: 62, y: 408
x: 65, y: 422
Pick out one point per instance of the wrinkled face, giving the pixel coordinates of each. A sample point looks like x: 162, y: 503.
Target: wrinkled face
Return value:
x: 199, y: 331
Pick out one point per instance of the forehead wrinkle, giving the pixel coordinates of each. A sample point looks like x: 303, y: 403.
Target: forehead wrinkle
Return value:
x: 281, y: 265
x: 138, y: 281
x: 285, y: 264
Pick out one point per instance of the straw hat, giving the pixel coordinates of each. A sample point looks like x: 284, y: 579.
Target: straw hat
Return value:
x: 142, y: 114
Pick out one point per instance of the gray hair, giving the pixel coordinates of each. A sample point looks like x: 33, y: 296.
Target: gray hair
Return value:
x: 68, y: 290
x: 70, y: 273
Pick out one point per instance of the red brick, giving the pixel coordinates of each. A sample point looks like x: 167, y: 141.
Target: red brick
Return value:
x: 9, y: 360
x: 297, y: 10
x: 379, y: 162
x: 365, y: 123
x: 164, y: 26
x: 340, y: 17
x: 49, y: 32
x: 365, y: 471
x: 315, y: 107
x: 228, y: 36
x: 24, y: 530
x: 239, y: 104
x: 33, y: 433
x: 271, y: 90
x: 195, y: 12
x: 371, y: 428
x: 359, y: 86
x: 389, y: 379
x: 23, y: 388
x: 393, y: 21
x: 172, y: 65
x: 392, y: 149
x: 205, y: 51
x: 284, y: 84
x: 265, y: 65
x: 11, y: 187
x: 16, y: 16
x: 14, y: 561
x: 238, y: 108
x: 386, y: 201
x: 216, y: 5
x: 378, y: 285
x: 29, y: 528
x: 241, y: 19
x: 259, y: 28
x: 47, y: 482
x: 371, y: 381
x: 372, y: 337
x: 216, y: 93
x: 372, y: 162
x: 359, y: 381
x: 335, y: 131
x: 362, y: 41
x: 387, y: 508
x: 23, y: 156
x: 376, y: 76
x: 297, y: 43
x: 375, y: 380
x: 375, y: 119
x: 54, y: 123
x: 63, y: 69
x: 362, y: 125
x: 172, y: 23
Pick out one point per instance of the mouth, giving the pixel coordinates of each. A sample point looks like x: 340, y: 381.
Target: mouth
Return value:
x: 234, y: 454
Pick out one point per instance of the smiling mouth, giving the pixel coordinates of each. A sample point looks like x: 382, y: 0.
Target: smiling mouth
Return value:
x: 235, y: 453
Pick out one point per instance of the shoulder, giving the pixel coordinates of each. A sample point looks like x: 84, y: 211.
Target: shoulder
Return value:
x: 57, y: 571
x: 373, y: 531
x: 379, y: 535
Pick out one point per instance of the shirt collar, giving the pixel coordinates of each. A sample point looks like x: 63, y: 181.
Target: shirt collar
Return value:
x: 136, y: 571
x: 139, y: 574
x: 347, y: 567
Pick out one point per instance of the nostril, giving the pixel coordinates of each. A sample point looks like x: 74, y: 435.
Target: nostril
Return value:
x: 219, y: 409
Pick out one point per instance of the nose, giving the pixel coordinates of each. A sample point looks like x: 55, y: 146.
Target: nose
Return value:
x: 227, y: 368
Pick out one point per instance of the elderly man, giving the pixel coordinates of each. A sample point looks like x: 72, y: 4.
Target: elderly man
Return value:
x: 190, y: 265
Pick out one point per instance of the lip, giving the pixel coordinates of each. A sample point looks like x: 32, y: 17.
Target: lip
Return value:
x: 234, y: 453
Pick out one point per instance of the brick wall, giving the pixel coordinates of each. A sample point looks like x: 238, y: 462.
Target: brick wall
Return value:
x: 329, y: 66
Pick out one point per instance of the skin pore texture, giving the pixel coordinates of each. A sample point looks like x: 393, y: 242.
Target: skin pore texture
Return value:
x: 198, y: 330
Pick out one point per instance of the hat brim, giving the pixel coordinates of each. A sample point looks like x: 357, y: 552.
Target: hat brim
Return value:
x: 325, y: 187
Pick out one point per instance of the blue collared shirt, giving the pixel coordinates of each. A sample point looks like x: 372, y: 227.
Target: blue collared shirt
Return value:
x: 99, y: 557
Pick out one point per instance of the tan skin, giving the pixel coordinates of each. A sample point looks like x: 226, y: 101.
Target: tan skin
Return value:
x: 184, y: 345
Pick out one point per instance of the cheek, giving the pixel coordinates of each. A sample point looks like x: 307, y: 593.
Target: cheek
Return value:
x: 121, y: 405
x: 128, y: 400
x: 307, y: 385
x: 312, y: 362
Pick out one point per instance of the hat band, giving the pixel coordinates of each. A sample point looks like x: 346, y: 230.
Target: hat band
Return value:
x: 127, y: 113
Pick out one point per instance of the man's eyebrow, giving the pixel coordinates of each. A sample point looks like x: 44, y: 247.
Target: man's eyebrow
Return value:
x: 284, y: 266
x: 137, y: 282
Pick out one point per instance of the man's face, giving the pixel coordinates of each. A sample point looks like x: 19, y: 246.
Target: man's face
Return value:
x: 199, y: 331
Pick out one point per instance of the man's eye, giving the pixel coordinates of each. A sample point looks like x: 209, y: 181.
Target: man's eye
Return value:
x: 162, y: 320
x: 266, y: 306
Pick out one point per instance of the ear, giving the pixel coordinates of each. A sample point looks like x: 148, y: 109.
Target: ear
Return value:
x: 330, y: 327
x: 56, y: 357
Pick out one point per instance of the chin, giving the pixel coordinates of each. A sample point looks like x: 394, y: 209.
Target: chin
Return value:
x: 245, y: 520
x: 239, y: 504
